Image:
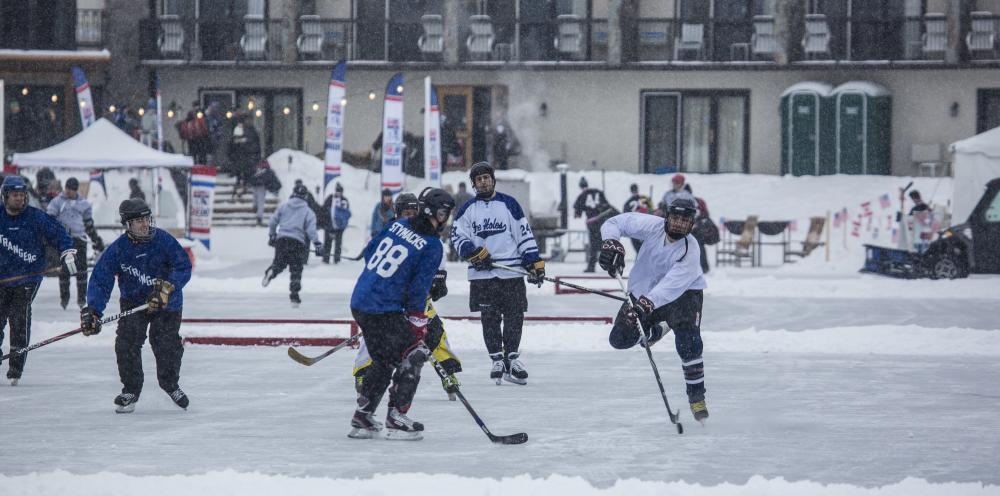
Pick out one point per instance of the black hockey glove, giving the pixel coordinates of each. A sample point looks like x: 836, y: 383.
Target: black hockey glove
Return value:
x: 481, y: 259
x: 271, y: 240
x: 640, y: 311
x: 160, y: 296
x: 612, y: 258
x: 318, y: 248
x: 90, y: 322
x: 97, y: 243
x: 536, y: 273
x: 439, y: 287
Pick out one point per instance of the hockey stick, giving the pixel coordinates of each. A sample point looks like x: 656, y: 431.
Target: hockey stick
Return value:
x: 78, y: 330
x: 564, y: 283
x: 656, y: 372
x: 50, y: 270
x: 307, y: 361
x: 519, y: 438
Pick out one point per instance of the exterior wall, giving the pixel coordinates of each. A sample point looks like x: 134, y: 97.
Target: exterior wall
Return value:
x: 127, y: 81
x: 596, y: 113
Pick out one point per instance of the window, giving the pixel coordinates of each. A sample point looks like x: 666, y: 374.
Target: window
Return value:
x: 38, y: 24
x: 987, y: 109
x: 275, y: 113
x: 33, y: 120
x: 696, y: 131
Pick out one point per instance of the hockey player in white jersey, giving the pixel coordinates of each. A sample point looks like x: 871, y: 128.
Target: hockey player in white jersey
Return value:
x: 665, y: 284
x: 492, y: 228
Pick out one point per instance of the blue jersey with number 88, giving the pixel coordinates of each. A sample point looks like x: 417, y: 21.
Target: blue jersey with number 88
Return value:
x: 400, y: 264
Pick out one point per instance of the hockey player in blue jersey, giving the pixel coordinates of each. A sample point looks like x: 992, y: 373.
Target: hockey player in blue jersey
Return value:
x: 492, y: 228
x: 151, y: 267
x: 666, y: 284
x: 389, y: 304
x: 24, y: 230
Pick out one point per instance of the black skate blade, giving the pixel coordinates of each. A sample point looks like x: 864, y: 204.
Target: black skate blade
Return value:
x: 519, y: 438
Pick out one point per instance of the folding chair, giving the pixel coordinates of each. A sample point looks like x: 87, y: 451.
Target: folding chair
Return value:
x: 812, y: 241
x: 982, y: 35
x: 310, y: 42
x: 480, y: 40
x: 816, y: 42
x: 734, y: 252
x: 254, y: 39
x: 431, y: 43
x: 171, y: 41
x: 692, y: 39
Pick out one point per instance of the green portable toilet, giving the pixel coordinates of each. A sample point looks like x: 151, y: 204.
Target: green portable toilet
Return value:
x: 863, y: 128
x: 807, y: 131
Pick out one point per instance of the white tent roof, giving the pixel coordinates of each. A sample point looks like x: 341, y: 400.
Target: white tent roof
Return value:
x: 977, y: 161
x: 985, y: 143
x: 101, y: 146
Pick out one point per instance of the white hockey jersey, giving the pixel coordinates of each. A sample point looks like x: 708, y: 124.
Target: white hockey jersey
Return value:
x: 500, y: 225
x: 663, y: 270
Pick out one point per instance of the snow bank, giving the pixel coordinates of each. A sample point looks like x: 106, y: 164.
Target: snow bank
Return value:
x: 251, y: 484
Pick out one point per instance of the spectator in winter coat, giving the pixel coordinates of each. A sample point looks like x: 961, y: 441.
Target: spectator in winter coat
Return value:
x: 504, y: 145
x: 676, y: 191
x: 76, y: 215
x: 462, y: 197
x: 637, y: 203
x: 702, y: 212
x: 135, y: 192
x: 262, y: 181
x: 292, y: 227
x: 383, y: 213
x: 244, y: 151
x: 339, y: 210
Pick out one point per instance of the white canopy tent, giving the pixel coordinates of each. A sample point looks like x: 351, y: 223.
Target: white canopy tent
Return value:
x: 103, y: 146
x: 976, y: 162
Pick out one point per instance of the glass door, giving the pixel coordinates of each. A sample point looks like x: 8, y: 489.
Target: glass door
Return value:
x: 660, y: 139
x: 694, y: 131
x: 456, y: 120
x: 699, y: 136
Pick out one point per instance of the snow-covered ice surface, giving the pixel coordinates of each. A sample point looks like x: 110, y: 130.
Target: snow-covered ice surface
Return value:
x: 820, y: 381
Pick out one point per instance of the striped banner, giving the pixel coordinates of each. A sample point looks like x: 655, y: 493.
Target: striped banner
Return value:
x: 202, y: 198
x: 392, y: 135
x: 334, y: 147
x: 83, y: 97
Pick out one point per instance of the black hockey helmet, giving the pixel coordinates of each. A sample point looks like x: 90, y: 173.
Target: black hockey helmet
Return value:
x: 134, y: 209
x: 436, y: 203
x: 14, y: 184
x: 478, y: 169
x: 680, y: 217
x: 406, y: 201
x: 583, y: 183
x: 300, y: 191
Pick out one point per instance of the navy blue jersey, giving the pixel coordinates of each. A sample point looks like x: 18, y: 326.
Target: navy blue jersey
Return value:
x: 400, y: 264
x: 22, y: 243
x: 137, y: 267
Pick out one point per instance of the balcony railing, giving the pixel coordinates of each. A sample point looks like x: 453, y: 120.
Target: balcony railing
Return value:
x: 249, y: 39
x: 89, y: 27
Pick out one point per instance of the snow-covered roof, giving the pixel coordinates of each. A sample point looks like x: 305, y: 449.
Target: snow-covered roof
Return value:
x: 101, y: 146
x: 867, y: 87
x: 823, y: 89
x: 985, y: 143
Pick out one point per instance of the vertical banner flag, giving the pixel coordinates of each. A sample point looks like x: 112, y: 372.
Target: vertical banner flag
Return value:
x: 83, y: 99
x: 334, y: 148
x: 432, y: 135
x: 3, y: 117
x: 202, y: 193
x: 159, y: 114
x: 392, y: 135
x: 97, y: 176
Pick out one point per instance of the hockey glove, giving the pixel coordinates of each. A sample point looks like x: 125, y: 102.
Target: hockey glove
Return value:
x: 160, y: 297
x: 612, y: 258
x: 418, y: 324
x: 69, y: 261
x: 271, y: 240
x: 481, y: 259
x: 97, y: 243
x: 536, y: 273
x: 640, y: 311
x: 90, y: 321
x: 439, y: 287
x: 318, y: 248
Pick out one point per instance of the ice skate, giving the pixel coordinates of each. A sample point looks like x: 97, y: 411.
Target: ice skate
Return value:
x: 64, y: 302
x: 296, y: 301
x: 126, y: 402
x: 700, y: 411
x: 498, y: 369
x: 180, y: 399
x: 269, y: 276
x: 516, y: 373
x: 81, y: 302
x: 364, y: 425
x: 399, y: 427
x: 450, y: 384
x: 14, y: 381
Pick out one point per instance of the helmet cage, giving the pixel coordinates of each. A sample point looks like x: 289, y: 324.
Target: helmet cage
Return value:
x: 679, y: 222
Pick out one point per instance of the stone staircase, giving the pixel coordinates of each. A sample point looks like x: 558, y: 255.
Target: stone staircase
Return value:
x: 229, y: 210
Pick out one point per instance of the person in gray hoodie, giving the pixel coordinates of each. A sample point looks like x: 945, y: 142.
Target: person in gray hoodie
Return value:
x: 292, y: 227
x: 76, y: 215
